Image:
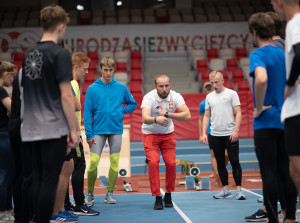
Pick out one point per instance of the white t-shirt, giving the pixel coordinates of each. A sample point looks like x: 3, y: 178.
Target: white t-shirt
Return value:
x: 170, y: 104
x: 291, y: 106
x: 222, y: 113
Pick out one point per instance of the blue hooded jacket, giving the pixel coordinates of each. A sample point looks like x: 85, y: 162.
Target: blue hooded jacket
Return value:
x: 103, y: 108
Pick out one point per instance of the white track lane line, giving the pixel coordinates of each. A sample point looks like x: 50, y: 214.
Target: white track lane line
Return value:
x: 180, y: 212
x: 251, y: 192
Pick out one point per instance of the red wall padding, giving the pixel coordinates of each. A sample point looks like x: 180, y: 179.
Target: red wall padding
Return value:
x: 190, y: 129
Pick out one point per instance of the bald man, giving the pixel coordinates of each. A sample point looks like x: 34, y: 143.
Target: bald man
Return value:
x: 158, y: 111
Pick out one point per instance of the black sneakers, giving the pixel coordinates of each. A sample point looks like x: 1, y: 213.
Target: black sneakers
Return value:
x: 70, y: 208
x: 85, y: 210
x: 260, y: 215
x: 158, y: 205
x: 168, y: 200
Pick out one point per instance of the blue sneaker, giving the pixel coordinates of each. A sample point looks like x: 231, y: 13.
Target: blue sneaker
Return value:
x: 239, y: 195
x: 223, y: 194
x: 71, y: 216
x: 260, y: 215
x: 61, y: 217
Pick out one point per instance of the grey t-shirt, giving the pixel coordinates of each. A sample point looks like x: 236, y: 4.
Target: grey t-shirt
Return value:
x: 45, y: 66
x: 222, y: 114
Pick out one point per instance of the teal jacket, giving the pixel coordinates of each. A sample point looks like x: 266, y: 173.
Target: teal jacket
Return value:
x: 103, y: 108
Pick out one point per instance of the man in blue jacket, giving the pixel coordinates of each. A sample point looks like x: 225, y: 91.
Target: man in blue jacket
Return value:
x: 103, y: 119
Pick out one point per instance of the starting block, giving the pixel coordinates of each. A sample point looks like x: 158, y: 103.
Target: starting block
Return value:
x: 189, y: 183
x: 205, y: 183
x: 103, y: 182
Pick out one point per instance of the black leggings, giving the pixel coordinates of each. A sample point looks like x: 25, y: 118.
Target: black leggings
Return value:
x: 16, y: 146
x: 219, y: 144
x: 48, y: 157
x: 6, y: 172
x: 274, y: 167
x: 77, y: 177
x: 27, y: 184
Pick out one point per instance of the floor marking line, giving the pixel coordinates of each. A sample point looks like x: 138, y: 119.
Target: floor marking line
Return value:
x: 251, y: 192
x: 179, y: 211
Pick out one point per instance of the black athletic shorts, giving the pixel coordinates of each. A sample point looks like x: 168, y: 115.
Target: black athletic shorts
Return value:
x: 292, y: 133
x: 209, y: 141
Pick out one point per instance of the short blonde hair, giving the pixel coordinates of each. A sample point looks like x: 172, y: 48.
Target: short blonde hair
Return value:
x: 8, y: 67
x: 107, y: 61
x: 214, y: 73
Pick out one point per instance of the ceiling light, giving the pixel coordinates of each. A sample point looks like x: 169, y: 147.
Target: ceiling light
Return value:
x: 80, y: 7
x: 119, y: 3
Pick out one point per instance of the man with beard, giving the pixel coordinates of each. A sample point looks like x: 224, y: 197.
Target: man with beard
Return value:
x: 158, y: 111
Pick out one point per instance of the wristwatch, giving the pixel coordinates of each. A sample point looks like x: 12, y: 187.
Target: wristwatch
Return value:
x: 166, y: 115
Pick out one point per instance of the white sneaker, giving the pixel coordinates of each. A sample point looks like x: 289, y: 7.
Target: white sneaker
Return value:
x: 223, y: 194
x: 240, y: 195
x: 7, y: 216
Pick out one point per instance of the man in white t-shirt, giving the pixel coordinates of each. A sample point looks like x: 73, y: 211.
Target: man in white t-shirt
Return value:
x: 158, y: 111
x: 220, y: 107
x: 290, y: 115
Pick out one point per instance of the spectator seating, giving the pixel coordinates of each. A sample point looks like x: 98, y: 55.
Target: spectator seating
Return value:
x: 217, y: 64
x: 229, y: 84
x: 212, y: 53
x: 240, y: 52
x: 237, y: 75
x: 226, y: 53
x: 242, y: 86
x: 232, y: 64
x: 121, y: 67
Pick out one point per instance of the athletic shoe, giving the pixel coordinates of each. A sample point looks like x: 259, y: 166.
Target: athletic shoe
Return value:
x: 168, y: 200
x: 223, y: 194
x: 260, y: 200
x: 70, y: 208
x: 239, y: 195
x: 109, y: 198
x: 260, y: 215
x: 158, y: 205
x: 85, y: 210
x: 61, y: 217
x: 89, y: 199
x: 280, y: 216
x: 71, y: 216
x: 7, y: 217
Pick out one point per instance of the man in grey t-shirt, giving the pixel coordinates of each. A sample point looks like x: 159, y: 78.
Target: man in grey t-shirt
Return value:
x: 220, y: 107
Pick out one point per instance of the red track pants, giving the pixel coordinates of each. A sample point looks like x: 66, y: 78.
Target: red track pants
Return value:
x: 167, y: 145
